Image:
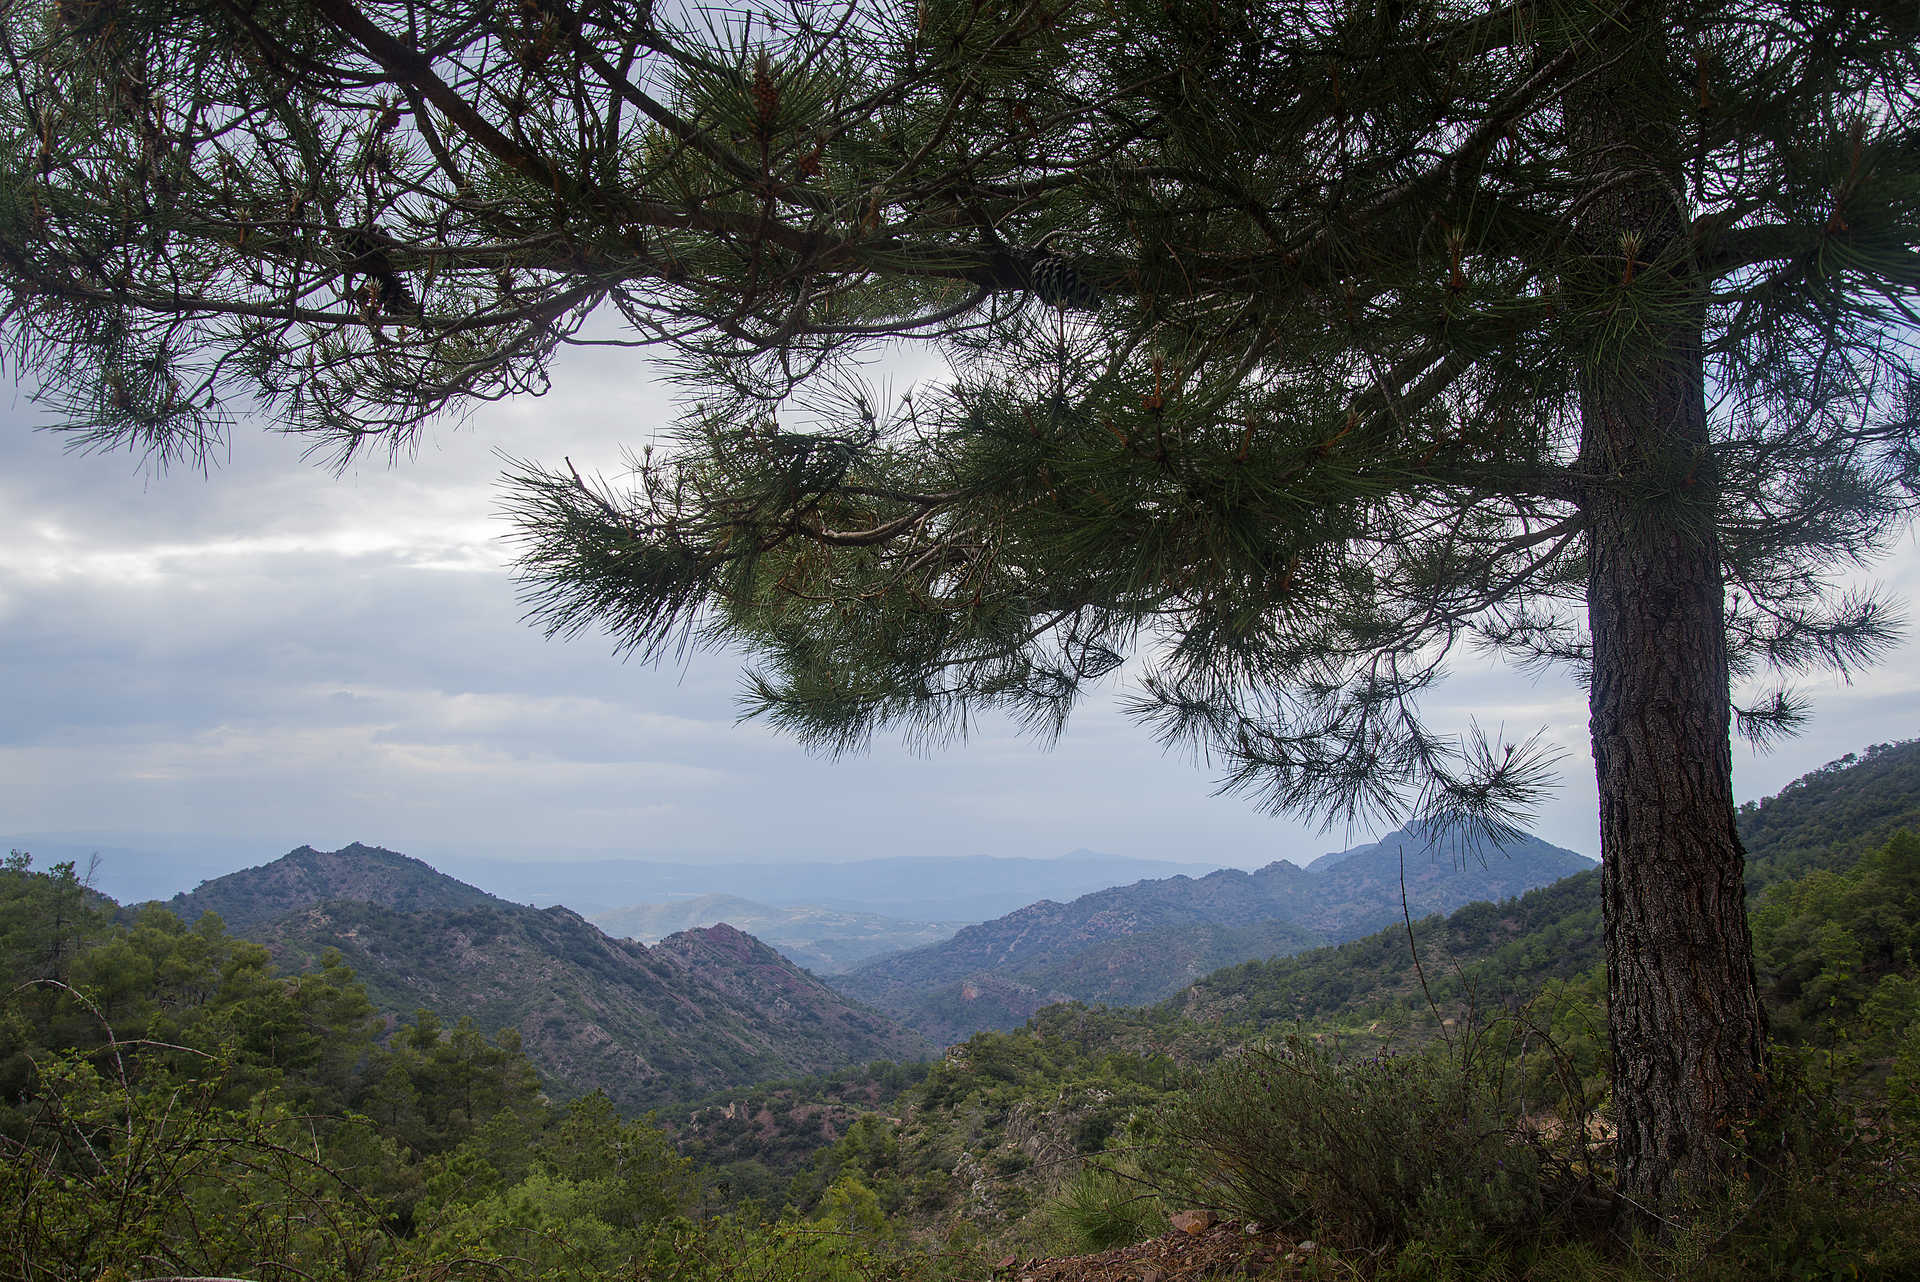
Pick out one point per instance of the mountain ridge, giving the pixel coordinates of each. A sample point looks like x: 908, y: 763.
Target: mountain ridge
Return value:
x: 699, y: 1011
x: 1183, y: 927
x: 304, y: 875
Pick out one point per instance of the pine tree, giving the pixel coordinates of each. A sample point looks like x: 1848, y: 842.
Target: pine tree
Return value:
x: 1296, y: 345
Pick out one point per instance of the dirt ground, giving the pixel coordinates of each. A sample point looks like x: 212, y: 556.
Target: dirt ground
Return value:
x: 1205, y: 1249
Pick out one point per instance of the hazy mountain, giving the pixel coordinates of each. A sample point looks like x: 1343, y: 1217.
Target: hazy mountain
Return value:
x: 824, y: 940
x: 133, y: 868
x: 700, y: 1011
x: 917, y: 888
x: 1145, y: 941
x: 1356, y: 891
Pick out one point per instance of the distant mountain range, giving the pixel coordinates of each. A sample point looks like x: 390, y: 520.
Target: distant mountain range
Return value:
x: 712, y: 1008
x: 1140, y: 943
x: 913, y: 888
x: 824, y: 940
x: 699, y: 1011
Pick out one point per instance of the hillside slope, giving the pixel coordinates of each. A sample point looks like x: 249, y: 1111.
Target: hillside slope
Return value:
x: 1833, y: 815
x: 1143, y: 942
x: 1826, y: 818
x: 700, y: 1011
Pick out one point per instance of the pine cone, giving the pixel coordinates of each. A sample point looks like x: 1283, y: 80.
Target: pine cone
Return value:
x: 1057, y: 283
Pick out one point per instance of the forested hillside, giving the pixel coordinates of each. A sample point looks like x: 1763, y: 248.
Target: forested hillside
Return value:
x: 1833, y: 815
x: 169, y: 1104
x: 1492, y: 953
x: 700, y: 1011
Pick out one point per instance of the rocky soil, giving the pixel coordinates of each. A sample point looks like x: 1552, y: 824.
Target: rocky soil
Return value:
x: 1204, y: 1248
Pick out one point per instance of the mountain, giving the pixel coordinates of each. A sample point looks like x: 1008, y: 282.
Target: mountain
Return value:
x: 700, y: 1011
x: 1145, y: 941
x: 916, y: 888
x: 824, y: 940
x: 1825, y: 819
x: 306, y: 876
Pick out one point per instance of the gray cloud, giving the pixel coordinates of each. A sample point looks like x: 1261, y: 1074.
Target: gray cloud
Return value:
x: 271, y: 654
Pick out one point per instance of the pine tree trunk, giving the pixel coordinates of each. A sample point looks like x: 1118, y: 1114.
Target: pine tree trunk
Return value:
x: 1684, y: 1015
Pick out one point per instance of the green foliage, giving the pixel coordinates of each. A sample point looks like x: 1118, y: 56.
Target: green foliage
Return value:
x: 173, y: 1100
x: 1840, y: 948
x: 1829, y: 1191
x: 44, y: 918
x: 113, y: 1173
x: 1103, y: 1207
x: 753, y: 1142
x: 849, y: 1206
x: 644, y: 1179
x: 1369, y: 1152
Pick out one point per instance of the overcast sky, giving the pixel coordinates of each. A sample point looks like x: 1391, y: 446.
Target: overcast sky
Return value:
x: 268, y: 656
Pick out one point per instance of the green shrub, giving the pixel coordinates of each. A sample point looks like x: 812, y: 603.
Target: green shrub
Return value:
x: 1368, y: 1153
x: 1831, y: 1187
x: 1100, y: 1209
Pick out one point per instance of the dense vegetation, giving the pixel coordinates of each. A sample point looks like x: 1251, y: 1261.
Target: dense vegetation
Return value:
x: 1830, y: 816
x: 1496, y: 953
x: 171, y: 1104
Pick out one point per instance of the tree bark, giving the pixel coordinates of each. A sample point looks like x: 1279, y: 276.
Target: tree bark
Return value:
x: 1684, y: 1017
x: 1686, y: 1027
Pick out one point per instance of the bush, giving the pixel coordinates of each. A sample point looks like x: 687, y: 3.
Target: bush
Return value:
x: 1833, y: 1190
x: 1370, y: 1153
x: 1100, y: 1209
